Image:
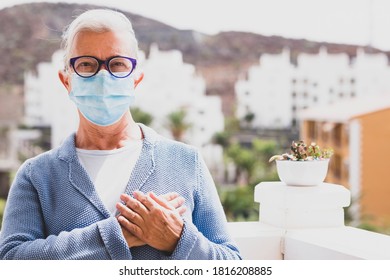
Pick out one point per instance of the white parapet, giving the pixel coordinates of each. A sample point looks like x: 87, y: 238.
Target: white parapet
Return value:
x: 340, y: 243
x: 257, y: 241
x: 290, y: 207
x: 306, y: 223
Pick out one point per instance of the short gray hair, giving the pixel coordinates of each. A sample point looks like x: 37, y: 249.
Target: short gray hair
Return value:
x: 98, y: 20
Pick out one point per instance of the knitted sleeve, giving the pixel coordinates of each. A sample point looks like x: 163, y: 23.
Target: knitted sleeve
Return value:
x: 206, y: 237
x: 23, y: 234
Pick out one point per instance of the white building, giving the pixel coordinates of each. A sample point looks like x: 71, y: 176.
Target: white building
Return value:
x: 169, y: 85
x: 47, y: 103
x: 275, y: 90
x: 371, y: 72
x: 264, y: 92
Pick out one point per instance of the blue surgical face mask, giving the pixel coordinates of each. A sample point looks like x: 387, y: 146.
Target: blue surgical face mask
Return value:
x: 102, y: 99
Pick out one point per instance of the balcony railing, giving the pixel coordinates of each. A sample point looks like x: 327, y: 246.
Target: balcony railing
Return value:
x: 305, y: 223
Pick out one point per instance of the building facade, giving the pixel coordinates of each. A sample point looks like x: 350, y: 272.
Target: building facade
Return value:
x: 276, y: 90
x: 170, y: 85
x: 358, y: 130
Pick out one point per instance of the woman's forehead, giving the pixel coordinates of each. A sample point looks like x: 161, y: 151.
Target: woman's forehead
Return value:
x: 106, y: 43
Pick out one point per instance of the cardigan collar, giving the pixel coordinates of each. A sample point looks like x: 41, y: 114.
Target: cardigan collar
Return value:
x: 67, y: 151
x: 79, y: 178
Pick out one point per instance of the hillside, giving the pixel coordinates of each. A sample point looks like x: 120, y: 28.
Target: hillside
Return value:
x: 30, y: 33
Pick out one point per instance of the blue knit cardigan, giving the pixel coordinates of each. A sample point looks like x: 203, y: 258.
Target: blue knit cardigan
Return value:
x: 54, y: 212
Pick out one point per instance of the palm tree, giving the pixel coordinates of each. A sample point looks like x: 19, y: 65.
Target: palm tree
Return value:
x: 248, y: 119
x: 141, y: 116
x: 178, y: 124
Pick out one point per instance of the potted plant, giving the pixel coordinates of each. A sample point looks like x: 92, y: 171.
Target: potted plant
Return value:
x: 305, y: 165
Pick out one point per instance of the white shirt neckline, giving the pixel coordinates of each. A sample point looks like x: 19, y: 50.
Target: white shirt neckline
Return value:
x: 110, y: 170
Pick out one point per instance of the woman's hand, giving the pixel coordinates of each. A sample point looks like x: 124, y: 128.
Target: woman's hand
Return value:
x: 156, y: 221
x: 171, y: 201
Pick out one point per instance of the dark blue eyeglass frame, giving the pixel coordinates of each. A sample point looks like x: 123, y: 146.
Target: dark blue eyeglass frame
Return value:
x: 105, y: 62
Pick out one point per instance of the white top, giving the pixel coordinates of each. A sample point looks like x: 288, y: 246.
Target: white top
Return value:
x: 110, y: 170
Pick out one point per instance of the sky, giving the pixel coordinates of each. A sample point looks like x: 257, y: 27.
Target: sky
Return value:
x: 362, y: 22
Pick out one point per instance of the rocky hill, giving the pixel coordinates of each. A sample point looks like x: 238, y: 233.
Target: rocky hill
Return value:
x: 30, y: 33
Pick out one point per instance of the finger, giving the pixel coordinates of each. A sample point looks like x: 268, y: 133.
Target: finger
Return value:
x: 181, y: 210
x: 177, y: 202
x: 173, y: 199
x: 131, y: 239
x: 132, y: 228
x: 134, y: 205
x: 170, y: 196
x: 161, y: 201
x: 129, y: 214
x: 145, y: 200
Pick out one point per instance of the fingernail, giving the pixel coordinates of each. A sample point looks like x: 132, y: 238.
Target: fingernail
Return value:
x: 137, y: 193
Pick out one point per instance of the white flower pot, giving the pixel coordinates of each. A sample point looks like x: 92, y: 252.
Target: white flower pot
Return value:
x: 302, y: 173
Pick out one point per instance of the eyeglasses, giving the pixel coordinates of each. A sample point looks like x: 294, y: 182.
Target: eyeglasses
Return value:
x: 88, y: 66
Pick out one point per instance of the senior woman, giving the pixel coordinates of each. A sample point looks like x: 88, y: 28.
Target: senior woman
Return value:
x: 115, y: 189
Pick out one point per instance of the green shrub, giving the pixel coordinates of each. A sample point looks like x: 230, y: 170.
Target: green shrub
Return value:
x: 238, y: 204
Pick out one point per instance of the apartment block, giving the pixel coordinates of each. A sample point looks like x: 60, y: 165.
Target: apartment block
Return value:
x: 358, y: 130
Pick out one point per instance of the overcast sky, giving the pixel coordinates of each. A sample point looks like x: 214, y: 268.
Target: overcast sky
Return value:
x: 341, y: 21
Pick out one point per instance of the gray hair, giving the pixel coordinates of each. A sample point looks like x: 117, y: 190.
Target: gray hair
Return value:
x: 98, y: 20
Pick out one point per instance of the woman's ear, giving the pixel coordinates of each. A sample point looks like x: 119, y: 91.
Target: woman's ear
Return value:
x: 64, y: 78
x: 138, y: 79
